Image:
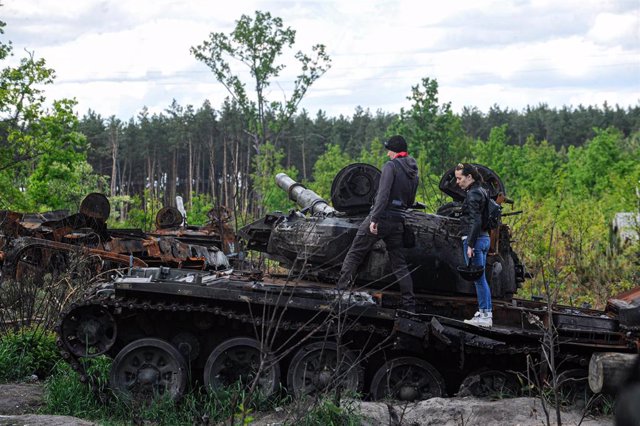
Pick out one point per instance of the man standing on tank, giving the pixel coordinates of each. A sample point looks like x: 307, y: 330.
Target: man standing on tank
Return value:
x: 396, y: 193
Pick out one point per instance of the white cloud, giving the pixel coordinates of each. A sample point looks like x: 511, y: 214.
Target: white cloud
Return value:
x: 612, y: 28
x: 116, y: 57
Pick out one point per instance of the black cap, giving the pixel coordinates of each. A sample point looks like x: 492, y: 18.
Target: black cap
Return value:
x: 396, y: 144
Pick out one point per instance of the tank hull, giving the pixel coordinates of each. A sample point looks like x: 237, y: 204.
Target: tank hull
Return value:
x: 196, y: 313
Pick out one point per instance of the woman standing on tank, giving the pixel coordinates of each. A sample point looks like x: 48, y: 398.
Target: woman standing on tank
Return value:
x: 475, y: 240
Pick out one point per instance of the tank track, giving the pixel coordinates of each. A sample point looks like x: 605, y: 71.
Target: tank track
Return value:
x: 104, y: 297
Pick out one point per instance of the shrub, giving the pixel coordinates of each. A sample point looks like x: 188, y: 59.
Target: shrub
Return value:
x: 66, y: 395
x: 27, y: 351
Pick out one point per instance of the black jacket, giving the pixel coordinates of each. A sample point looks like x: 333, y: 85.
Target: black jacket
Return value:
x: 471, y: 217
x: 397, y: 188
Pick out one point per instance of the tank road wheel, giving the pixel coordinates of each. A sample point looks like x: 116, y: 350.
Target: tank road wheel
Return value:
x: 147, y: 368
x: 238, y: 359
x: 407, y: 379
x: 88, y: 331
x: 489, y: 383
x: 315, y: 367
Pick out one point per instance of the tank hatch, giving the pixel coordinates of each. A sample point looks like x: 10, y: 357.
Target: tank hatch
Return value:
x: 354, y: 188
x: 96, y: 205
x: 492, y: 183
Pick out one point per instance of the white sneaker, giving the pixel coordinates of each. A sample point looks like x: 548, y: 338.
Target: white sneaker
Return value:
x: 481, y: 319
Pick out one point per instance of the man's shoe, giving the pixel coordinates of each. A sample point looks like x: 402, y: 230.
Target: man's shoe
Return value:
x: 481, y: 319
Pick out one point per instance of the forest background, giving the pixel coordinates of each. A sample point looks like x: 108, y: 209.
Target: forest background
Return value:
x: 568, y: 170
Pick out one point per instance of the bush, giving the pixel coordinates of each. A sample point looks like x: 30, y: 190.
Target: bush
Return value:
x: 66, y: 395
x: 326, y: 412
x: 26, y: 352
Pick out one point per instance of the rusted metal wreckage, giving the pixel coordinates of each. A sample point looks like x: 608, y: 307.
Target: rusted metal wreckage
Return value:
x: 43, y: 242
x: 168, y: 328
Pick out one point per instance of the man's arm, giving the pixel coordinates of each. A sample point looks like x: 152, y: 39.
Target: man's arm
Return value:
x: 384, y: 190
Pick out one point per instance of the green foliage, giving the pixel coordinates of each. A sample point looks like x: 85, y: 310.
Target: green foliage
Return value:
x: 258, y: 43
x: 66, y: 395
x: 325, y: 411
x: 133, y: 212
x: 536, y: 162
x: 42, y: 155
x: 27, y: 351
x: 431, y: 128
x: 564, y: 241
x: 375, y: 155
x: 201, y: 204
x: 497, y: 155
x: 590, y: 168
x: 326, y: 169
x: 267, y: 164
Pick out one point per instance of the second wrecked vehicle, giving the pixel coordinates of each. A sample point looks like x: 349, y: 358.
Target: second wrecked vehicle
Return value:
x: 39, y: 243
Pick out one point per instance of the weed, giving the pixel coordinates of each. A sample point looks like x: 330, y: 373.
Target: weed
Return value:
x: 27, y: 351
x: 323, y: 410
x: 66, y: 395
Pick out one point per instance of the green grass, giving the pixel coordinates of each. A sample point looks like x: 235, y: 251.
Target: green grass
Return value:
x: 26, y: 352
x: 326, y: 412
x: 66, y: 395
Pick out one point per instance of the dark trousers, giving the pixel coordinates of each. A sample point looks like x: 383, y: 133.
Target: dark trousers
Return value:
x: 391, y: 232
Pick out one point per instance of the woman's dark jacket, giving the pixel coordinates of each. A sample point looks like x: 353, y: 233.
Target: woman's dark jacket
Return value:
x: 471, y: 217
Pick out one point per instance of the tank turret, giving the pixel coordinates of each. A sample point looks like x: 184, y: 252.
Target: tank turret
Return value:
x: 313, y: 241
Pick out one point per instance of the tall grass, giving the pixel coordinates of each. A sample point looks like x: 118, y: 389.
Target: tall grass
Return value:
x: 26, y: 352
x: 66, y: 395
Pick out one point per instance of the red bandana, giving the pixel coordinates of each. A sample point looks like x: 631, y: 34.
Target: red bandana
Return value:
x: 401, y: 154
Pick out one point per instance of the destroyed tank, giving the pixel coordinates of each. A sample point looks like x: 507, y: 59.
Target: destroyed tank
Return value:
x: 168, y: 329
x: 36, y: 244
x: 313, y: 246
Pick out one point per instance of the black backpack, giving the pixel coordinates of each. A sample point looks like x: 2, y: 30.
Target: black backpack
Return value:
x: 492, y: 213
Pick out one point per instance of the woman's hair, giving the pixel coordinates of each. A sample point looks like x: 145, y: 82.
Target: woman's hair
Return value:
x: 470, y: 169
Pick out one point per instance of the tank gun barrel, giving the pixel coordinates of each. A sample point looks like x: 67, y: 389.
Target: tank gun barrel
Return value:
x: 303, y: 197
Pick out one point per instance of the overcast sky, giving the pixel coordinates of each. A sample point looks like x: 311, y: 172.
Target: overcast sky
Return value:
x: 117, y: 56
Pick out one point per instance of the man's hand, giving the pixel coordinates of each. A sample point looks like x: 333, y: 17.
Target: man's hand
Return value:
x: 373, y: 227
x: 469, y: 252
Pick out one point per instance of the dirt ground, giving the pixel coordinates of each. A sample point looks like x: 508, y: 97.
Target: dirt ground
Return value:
x: 20, y: 401
x: 19, y: 404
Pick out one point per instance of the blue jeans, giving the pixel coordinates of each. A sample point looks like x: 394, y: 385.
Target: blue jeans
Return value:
x: 479, y: 258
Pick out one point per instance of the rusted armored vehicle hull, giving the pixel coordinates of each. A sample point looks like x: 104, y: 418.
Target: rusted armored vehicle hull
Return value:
x: 41, y: 243
x: 165, y: 326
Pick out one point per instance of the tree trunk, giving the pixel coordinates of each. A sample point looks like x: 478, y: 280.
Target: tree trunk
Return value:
x: 212, y: 172
x: 113, y: 137
x: 198, y: 168
x: 224, y: 172
x: 190, y: 175
x: 609, y: 370
x: 124, y: 183
x: 245, y: 183
x: 304, y: 162
x: 171, y: 190
x: 236, y: 151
